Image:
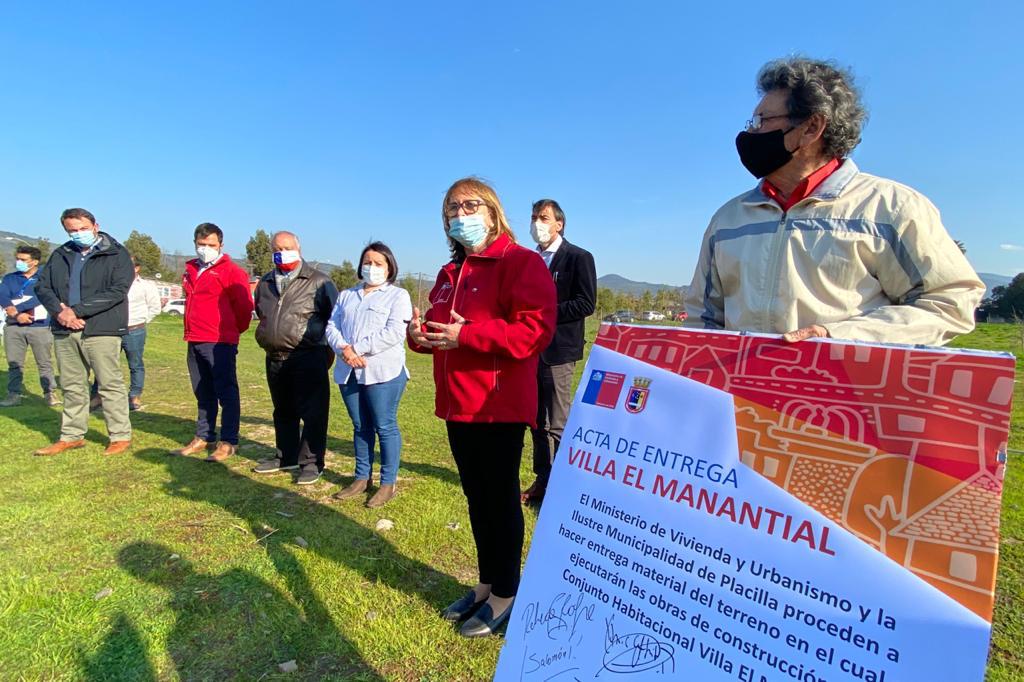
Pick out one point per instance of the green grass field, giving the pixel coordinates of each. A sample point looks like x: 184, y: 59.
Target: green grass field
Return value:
x: 214, y: 573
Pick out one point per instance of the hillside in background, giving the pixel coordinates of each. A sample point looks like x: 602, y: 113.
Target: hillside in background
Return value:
x: 993, y: 280
x: 621, y: 285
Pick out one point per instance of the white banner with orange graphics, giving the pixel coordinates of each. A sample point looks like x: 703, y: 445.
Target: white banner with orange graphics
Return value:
x: 755, y: 511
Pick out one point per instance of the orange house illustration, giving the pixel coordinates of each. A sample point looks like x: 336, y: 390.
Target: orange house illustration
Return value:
x: 904, y: 447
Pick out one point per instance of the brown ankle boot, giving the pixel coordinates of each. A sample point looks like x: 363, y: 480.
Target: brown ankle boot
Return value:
x: 382, y: 496
x: 357, y: 487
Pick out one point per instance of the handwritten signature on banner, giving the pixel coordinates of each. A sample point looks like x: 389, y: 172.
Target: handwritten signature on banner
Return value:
x: 555, y: 632
x: 635, y: 652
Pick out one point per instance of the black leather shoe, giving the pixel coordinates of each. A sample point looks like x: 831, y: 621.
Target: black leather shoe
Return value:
x: 484, y: 622
x: 462, y: 609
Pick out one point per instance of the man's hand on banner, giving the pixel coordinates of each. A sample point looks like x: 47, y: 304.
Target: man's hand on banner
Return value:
x: 804, y: 333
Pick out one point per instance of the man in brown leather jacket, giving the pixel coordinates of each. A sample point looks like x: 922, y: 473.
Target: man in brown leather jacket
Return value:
x: 293, y: 303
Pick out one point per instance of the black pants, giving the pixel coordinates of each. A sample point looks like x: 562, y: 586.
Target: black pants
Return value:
x: 211, y: 366
x: 487, y: 456
x: 300, y: 389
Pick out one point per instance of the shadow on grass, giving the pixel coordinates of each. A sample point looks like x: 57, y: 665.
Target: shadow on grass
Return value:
x: 230, y: 624
x: 33, y: 413
x: 330, y: 534
x: 180, y: 431
x: 122, y: 655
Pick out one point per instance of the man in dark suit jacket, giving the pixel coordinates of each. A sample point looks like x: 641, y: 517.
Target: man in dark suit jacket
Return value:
x: 572, y: 269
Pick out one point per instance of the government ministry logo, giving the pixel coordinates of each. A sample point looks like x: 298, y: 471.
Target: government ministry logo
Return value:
x: 636, y: 398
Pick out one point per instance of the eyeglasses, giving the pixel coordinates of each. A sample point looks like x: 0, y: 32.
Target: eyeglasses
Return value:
x: 470, y: 206
x: 757, y: 120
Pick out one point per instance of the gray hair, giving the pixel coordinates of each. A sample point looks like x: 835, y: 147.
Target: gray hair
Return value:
x: 283, y: 233
x: 819, y: 87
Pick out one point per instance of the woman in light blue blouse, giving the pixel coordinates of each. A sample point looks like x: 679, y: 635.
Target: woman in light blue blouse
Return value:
x: 367, y: 332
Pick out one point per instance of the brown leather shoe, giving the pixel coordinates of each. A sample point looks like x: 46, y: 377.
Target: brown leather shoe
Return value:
x: 59, y: 447
x: 116, y: 447
x: 223, y: 451
x: 356, y: 487
x: 197, y: 445
x: 382, y: 496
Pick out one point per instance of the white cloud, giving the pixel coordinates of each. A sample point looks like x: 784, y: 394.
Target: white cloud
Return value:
x: 1011, y: 247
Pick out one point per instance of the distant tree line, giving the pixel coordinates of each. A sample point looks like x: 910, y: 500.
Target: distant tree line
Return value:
x: 1007, y: 301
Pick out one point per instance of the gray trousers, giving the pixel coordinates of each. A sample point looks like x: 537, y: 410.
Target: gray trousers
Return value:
x: 16, y: 343
x: 75, y: 356
x: 554, y: 398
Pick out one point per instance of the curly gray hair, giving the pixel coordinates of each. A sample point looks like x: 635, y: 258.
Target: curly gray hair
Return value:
x: 819, y: 87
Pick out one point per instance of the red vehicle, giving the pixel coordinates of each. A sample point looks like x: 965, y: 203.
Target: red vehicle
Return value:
x: 680, y: 316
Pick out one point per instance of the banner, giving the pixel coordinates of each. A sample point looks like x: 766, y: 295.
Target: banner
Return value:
x: 822, y: 520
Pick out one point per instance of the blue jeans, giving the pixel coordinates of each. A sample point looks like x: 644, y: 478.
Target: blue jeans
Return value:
x: 133, y: 344
x: 373, y: 409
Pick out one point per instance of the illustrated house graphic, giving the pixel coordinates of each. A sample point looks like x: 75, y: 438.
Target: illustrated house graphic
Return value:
x: 901, y: 446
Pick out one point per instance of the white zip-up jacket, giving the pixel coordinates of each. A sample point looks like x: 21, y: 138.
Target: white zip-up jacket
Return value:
x: 865, y: 257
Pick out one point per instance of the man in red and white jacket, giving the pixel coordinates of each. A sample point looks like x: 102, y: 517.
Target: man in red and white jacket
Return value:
x: 218, y: 308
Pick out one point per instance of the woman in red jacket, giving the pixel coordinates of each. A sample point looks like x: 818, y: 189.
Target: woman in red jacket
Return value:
x: 492, y: 312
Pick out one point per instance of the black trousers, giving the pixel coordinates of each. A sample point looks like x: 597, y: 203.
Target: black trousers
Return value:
x: 300, y: 389
x: 488, y: 456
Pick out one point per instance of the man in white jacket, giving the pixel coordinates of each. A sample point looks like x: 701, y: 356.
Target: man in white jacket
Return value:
x: 819, y: 248
x: 143, y: 306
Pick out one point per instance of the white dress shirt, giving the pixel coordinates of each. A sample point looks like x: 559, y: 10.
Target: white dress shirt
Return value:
x: 549, y: 253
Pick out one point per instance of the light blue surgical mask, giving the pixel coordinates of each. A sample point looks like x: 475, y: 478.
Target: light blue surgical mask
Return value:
x: 21, y: 266
x: 83, y: 238
x: 468, y: 230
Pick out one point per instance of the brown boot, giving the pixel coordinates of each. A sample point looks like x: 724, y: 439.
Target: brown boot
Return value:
x: 357, y: 487
x: 196, y: 445
x: 116, y: 447
x: 59, y: 447
x: 223, y: 451
x: 382, y: 496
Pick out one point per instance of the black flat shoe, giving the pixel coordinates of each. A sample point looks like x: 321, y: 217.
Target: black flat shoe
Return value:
x: 462, y: 609
x: 484, y: 622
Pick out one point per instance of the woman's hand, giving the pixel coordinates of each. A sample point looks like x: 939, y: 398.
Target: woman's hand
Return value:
x: 447, y: 335
x: 416, y: 330
x: 351, y: 358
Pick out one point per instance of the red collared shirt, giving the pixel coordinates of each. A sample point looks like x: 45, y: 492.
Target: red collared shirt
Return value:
x: 802, y: 190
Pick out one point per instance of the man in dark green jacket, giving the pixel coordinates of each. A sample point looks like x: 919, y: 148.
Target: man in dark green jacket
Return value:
x: 84, y: 288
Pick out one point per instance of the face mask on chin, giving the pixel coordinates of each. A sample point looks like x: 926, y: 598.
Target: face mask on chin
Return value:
x: 763, y: 153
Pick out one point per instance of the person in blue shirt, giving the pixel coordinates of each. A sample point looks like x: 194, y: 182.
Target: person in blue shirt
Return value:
x: 28, y: 325
x: 367, y: 333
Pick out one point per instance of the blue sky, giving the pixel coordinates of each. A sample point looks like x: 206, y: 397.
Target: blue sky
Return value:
x: 347, y: 121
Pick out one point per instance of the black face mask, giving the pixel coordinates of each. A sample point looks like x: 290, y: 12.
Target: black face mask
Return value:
x: 763, y: 153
